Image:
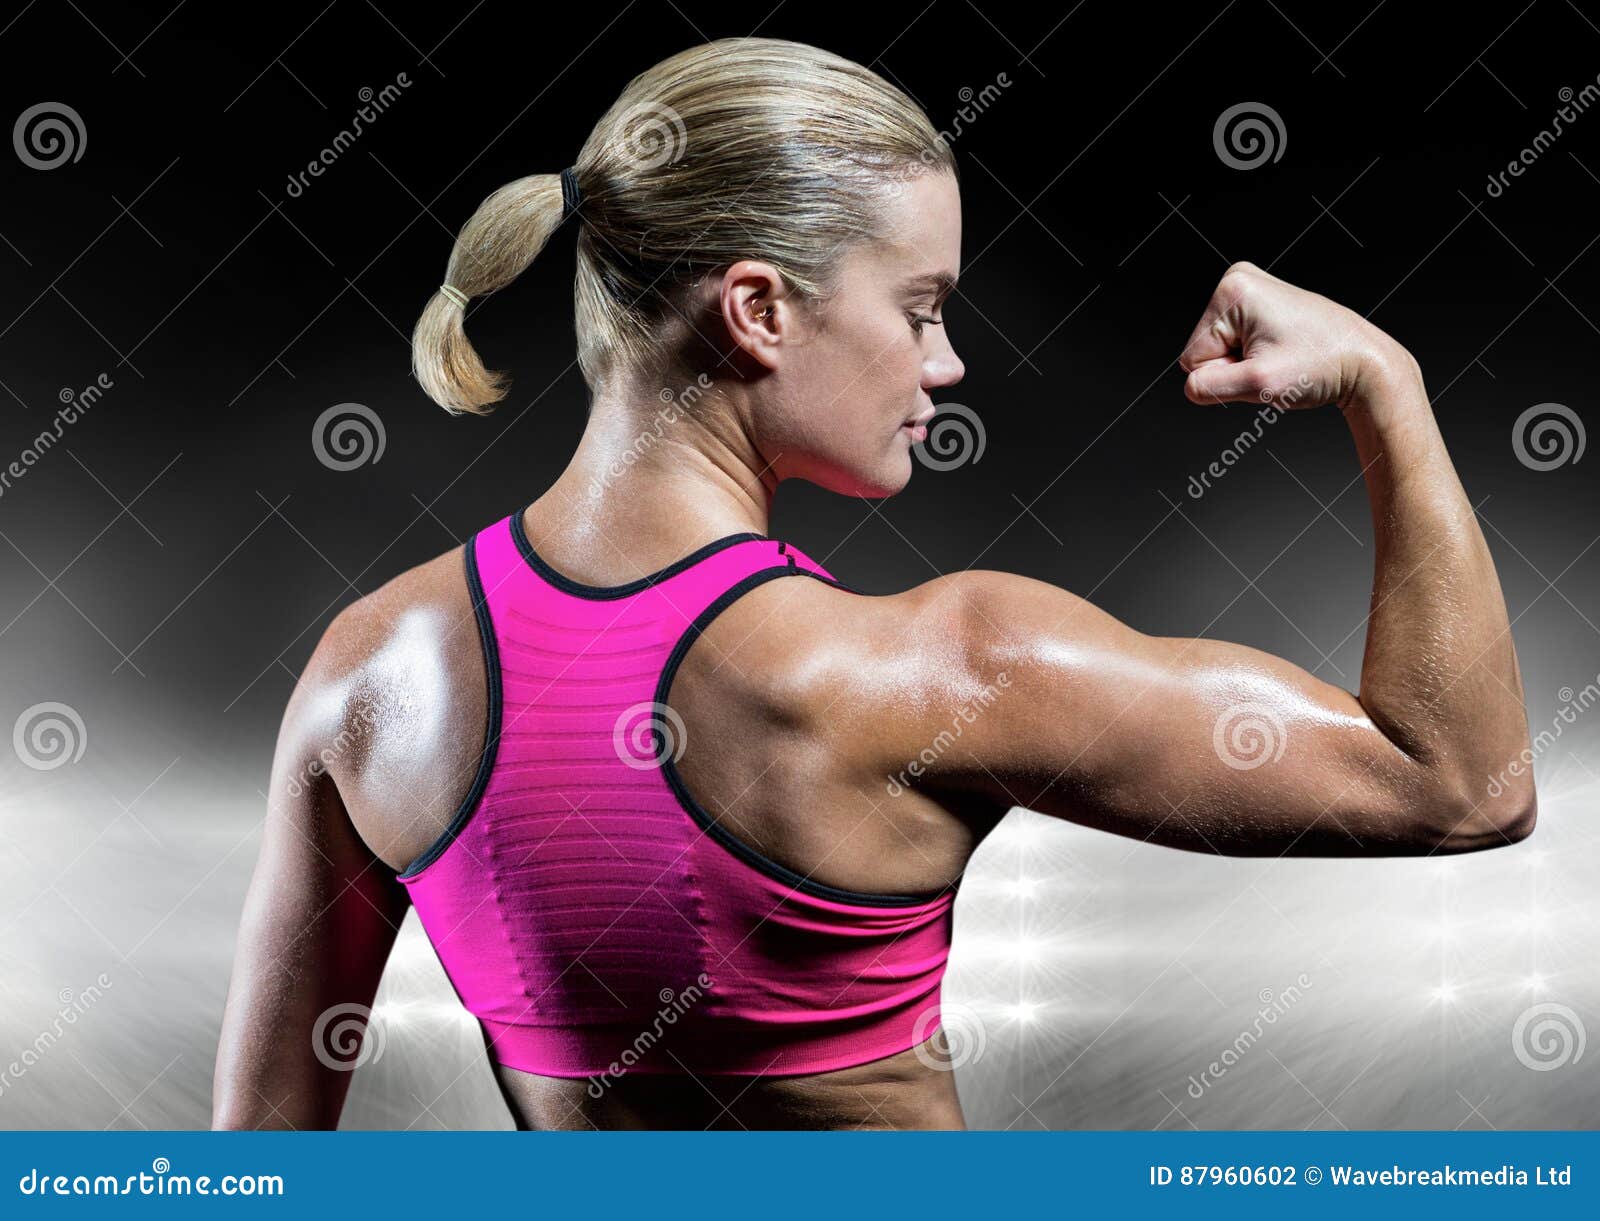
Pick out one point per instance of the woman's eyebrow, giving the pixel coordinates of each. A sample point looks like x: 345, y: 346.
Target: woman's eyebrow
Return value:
x: 939, y: 282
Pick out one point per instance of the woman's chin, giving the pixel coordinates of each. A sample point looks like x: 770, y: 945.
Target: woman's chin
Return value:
x: 889, y: 475
x: 887, y: 483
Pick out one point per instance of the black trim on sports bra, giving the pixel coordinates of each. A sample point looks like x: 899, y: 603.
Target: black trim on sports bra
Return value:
x: 491, y: 735
x: 519, y: 534
x: 702, y: 817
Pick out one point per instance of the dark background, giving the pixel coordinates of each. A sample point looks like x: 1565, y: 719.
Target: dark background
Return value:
x: 167, y: 567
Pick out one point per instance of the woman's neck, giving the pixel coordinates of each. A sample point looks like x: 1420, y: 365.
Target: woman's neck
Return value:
x: 651, y: 479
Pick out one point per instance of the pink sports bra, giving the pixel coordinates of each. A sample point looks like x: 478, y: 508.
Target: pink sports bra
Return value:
x: 589, y: 912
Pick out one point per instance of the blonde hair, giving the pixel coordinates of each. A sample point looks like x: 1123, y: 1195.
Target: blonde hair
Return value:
x: 738, y: 148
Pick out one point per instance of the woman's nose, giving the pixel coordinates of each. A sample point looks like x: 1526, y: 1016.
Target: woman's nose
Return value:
x: 945, y: 369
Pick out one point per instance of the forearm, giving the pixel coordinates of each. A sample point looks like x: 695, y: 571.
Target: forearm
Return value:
x: 1440, y: 674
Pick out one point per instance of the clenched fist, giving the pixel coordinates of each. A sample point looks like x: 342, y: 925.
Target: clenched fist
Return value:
x: 1262, y: 340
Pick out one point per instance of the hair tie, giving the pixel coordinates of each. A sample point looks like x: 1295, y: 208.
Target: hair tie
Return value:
x: 571, y: 197
x: 455, y: 294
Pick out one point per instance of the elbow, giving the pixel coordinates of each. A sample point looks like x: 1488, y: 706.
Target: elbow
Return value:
x: 1520, y: 825
x: 1519, y: 821
x: 1498, y: 822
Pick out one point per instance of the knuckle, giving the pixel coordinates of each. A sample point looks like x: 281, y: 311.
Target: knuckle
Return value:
x: 1236, y: 288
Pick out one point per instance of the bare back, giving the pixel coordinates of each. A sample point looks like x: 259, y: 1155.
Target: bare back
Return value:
x: 772, y: 694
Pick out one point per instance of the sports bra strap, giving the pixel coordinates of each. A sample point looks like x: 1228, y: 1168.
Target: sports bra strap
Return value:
x: 506, y: 558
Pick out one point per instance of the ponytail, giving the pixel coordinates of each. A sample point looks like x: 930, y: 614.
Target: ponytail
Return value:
x: 735, y: 149
x: 495, y: 246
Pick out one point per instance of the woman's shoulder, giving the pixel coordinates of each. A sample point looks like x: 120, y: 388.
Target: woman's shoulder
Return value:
x: 392, y: 703
x: 434, y: 589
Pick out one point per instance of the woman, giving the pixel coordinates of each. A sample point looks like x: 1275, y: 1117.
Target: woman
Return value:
x: 686, y: 830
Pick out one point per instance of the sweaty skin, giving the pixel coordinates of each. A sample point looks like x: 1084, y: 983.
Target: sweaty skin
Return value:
x: 804, y: 706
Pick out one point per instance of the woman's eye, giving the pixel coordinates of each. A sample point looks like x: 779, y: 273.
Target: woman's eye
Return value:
x: 917, y: 323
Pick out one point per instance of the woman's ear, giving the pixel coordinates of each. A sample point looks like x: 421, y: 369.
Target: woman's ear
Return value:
x: 756, y: 309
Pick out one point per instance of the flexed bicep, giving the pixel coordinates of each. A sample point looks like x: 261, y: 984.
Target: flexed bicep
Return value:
x: 1193, y: 743
x: 1221, y: 747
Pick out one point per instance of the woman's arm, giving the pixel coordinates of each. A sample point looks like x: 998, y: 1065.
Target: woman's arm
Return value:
x: 1218, y: 747
x: 319, y: 920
